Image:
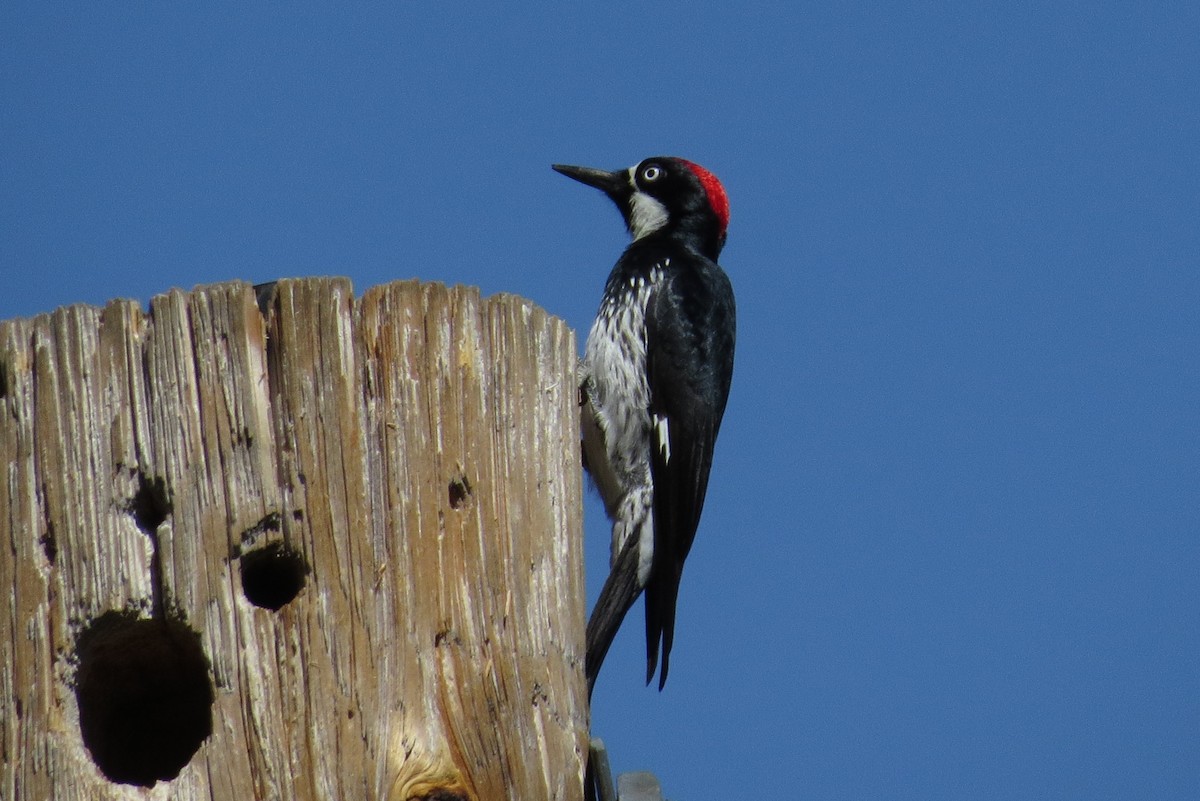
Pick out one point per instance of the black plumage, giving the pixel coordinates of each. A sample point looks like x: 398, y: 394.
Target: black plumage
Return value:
x: 654, y: 383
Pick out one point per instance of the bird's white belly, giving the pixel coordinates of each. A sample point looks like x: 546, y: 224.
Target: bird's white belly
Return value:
x: 616, y: 416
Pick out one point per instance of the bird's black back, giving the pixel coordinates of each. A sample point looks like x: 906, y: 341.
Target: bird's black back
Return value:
x: 690, y: 337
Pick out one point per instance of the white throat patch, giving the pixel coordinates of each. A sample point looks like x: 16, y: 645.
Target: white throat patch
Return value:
x: 646, y: 216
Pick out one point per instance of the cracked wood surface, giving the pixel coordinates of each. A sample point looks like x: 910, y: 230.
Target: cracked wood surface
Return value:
x: 416, y: 449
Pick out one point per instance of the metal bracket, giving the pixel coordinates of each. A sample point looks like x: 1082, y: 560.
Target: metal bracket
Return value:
x: 598, y: 783
x: 638, y: 786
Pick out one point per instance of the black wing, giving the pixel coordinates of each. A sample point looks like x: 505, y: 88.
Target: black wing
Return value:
x: 690, y: 325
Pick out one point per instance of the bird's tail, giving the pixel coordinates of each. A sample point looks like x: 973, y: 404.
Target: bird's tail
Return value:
x: 620, y: 591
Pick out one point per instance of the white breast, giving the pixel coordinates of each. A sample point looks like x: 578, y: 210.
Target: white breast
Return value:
x: 614, y: 366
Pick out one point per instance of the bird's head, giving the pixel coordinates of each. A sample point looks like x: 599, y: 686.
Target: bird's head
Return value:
x: 667, y: 195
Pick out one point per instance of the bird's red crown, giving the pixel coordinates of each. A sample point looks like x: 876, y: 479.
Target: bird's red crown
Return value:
x: 717, y: 198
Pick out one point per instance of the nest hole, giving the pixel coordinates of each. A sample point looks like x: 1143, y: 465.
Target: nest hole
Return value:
x: 145, y: 697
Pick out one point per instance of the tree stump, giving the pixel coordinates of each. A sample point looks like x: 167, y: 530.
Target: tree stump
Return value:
x: 329, y: 549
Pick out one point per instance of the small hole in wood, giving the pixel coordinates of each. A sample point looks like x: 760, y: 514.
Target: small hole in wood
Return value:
x: 145, y: 698
x: 3, y: 380
x: 460, y: 492
x: 272, y: 575
x: 49, y: 543
x: 150, y: 506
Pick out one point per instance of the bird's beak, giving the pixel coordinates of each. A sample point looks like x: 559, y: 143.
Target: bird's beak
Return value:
x: 613, y: 184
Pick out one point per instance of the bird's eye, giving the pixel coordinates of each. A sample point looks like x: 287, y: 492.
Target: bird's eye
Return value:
x: 651, y: 172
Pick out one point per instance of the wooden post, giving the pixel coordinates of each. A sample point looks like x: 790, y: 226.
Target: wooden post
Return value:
x: 328, y: 550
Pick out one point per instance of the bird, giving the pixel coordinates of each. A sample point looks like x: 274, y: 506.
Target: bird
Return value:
x: 653, y: 385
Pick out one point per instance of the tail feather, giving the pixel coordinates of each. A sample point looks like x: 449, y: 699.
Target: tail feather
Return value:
x: 652, y: 638
x: 617, y: 597
x: 661, y: 596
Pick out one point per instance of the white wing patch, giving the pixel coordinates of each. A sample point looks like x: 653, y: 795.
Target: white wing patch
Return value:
x: 662, y: 437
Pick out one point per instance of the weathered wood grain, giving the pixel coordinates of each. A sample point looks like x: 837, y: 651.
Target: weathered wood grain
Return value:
x: 414, y: 451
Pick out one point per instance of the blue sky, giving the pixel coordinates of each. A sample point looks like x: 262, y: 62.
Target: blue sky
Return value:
x: 952, y: 541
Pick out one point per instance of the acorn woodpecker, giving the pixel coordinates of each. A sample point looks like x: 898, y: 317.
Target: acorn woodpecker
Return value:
x: 653, y: 384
